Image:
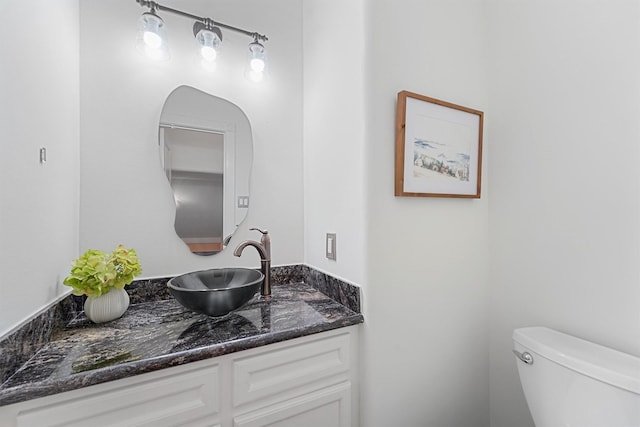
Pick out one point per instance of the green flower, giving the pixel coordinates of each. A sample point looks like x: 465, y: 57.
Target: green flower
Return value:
x: 95, y: 272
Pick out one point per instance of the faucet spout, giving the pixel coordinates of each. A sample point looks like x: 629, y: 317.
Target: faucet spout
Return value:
x: 261, y: 250
x: 265, y: 262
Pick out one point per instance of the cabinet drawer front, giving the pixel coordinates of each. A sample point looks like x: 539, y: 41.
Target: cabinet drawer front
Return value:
x: 329, y: 407
x: 187, y: 394
x: 291, y: 367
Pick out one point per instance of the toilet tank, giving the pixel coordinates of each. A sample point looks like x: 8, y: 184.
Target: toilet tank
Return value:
x: 576, y: 383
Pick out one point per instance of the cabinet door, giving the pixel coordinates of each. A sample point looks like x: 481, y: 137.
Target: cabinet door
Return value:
x: 185, y: 396
x: 330, y: 407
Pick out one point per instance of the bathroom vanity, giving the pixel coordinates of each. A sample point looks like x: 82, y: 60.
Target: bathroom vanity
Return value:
x: 285, y: 361
x: 310, y: 381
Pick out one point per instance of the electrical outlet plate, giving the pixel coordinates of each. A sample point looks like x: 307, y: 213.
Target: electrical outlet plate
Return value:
x: 330, y: 245
x: 243, y: 201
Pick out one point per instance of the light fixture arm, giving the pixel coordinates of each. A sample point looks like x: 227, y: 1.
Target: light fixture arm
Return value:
x: 206, y: 21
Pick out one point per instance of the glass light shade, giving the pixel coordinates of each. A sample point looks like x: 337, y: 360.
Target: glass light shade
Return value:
x: 257, y: 57
x: 209, y: 40
x: 152, y: 38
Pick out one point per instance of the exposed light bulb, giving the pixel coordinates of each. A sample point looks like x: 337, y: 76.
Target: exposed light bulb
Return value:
x: 152, y: 40
x: 257, y: 65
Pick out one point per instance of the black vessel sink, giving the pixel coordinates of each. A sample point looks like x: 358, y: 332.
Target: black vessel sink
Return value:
x: 216, y: 292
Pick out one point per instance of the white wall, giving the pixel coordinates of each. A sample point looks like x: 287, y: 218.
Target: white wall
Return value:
x: 124, y: 196
x: 425, y: 335
x: 38, y: 108
x: 334, y: 135
x: 565, y: 197
x: 424, y: 280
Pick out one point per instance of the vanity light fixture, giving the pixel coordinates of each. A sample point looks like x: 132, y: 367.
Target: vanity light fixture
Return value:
x: 152, y: 39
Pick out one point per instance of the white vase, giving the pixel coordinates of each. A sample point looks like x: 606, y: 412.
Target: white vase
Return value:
x: 107, y: 307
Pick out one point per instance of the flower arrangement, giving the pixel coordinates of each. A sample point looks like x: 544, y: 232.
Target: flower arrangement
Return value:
x: 95, y: 273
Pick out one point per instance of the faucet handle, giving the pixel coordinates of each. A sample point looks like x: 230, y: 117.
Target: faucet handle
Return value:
x: 265, y: 240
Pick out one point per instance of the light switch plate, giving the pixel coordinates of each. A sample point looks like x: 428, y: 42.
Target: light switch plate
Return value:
x: 330, y: 245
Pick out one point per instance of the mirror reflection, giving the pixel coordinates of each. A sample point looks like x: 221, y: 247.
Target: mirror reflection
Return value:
x: 206, y: 153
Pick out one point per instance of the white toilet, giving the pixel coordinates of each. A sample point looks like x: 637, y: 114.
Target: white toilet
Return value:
x: 570, y: 382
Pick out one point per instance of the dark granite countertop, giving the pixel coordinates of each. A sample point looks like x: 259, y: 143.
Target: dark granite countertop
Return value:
x: 160, y: 334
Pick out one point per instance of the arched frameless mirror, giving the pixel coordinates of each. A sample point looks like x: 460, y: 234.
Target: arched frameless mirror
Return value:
x: 206, y: 151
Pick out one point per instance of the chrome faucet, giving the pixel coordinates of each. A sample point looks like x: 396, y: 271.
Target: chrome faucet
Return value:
x: 264, y: 250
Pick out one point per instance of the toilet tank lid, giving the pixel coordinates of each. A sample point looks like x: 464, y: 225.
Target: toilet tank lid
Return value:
x: 594, y: 360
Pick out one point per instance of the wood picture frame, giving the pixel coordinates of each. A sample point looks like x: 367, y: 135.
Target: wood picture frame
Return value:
x: 438, y: 148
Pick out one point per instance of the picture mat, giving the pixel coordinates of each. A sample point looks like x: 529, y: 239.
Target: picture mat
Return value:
x: 456, y: 131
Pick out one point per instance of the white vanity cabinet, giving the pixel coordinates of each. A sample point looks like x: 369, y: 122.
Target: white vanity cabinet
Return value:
x: 309, y: 381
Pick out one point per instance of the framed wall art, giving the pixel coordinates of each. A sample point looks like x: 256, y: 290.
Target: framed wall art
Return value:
x: 438, y: 148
